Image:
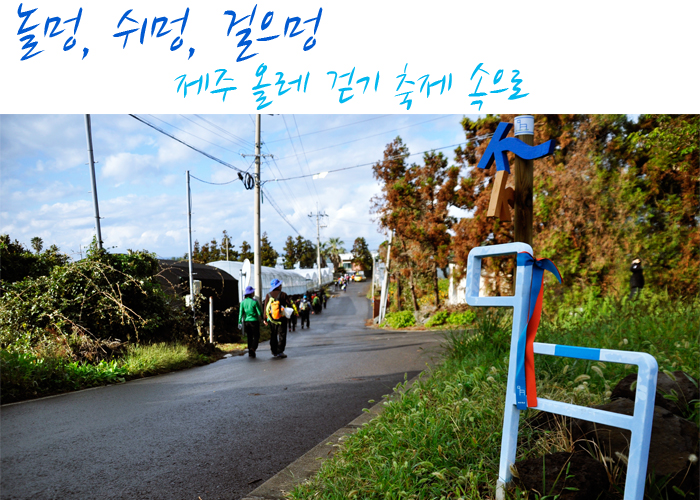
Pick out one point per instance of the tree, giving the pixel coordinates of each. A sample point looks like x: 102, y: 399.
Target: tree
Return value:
x: 414, y: 204
x: 305, y: 252
x: 17, y: 262
x: 334, y: 249
x: 246, y: 252
x: 290, y: 256
x: 37, y: 244
x: 613, y: 190
x: 361, y: 256
x: 268, y: 255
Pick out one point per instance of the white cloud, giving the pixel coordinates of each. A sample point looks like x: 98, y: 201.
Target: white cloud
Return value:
x: 129, y: 167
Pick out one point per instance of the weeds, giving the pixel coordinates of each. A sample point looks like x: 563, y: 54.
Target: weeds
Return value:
x: 442, y: 438
x: 26, y: 376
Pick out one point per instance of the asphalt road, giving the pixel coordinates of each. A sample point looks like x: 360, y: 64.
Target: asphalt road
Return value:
x: 212, y: 432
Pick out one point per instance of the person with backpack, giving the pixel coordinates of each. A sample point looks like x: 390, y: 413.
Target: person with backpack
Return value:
x: 249, y: 317
x: 304, y: 310
x: 293, y: 318
x: 275, y: 302
x: 316, y: 304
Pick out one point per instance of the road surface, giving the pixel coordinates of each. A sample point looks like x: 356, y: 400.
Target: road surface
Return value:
x: 212, y: 432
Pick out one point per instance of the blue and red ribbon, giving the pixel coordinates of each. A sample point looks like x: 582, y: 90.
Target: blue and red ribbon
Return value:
x: 525, y: 386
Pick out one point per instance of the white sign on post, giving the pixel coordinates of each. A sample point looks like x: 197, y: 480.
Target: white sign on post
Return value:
x: 639, y: 423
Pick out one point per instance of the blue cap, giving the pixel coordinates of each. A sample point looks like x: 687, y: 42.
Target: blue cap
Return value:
x: 275, y: 283
x: 249, y: 290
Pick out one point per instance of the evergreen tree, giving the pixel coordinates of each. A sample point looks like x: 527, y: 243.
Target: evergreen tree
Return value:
x: 246, y: 252
x: 361, y: 255
x: 290, y: 256
x: 268, y: 255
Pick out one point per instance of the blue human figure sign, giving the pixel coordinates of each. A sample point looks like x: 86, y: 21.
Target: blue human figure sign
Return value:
x: 500, y: 145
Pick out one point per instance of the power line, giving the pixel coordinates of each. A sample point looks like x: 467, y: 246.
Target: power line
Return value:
x: 304, y: 153
x: 370, y: 136
x: 301, y: 169
x: 372, y: 163
x: 334, y: 128
x: 243, y: 176
x: 210, y: 131
x: 212, y: 157
x: 245, y: 142
x: 279, y: 212
x: 214, y: 183
x: 193, y: 135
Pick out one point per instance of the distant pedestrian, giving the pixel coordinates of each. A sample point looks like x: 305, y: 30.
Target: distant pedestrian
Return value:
x: 275, y: 302
x: 249, y: 317
x: 324, y: 296
x: 637, y: 278
x: 316, y: 304
x: 293, y: 318
x: 304, y: 311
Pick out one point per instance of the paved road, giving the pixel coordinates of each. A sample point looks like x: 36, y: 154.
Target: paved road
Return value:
x: 213, y: 432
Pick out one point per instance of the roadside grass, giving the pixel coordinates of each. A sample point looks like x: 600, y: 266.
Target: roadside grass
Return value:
x: 442, y: 438
x: 27, y: 376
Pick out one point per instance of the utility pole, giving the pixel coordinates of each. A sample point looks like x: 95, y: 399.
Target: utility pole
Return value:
x: 189, y: 238
x: 318, y: 242
x: 91, y: 158
x: 522, y: 211
x: 256, y: 224
x: 385, y: 281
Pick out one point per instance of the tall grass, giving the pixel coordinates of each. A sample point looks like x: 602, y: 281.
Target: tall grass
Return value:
x: 26, y: 376
x: 442, y: 438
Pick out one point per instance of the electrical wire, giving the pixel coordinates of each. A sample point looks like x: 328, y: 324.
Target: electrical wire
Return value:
x: 370, y: 136
x: 373, y: 163
x: 334, y: 128
x: 297, y: 158
x: 213, y: 183
x: 279, y: 212
x: 193, y: 135
x: 243, y: 176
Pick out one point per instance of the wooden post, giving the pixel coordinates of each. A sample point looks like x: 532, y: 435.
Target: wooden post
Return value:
x: 522, y: 211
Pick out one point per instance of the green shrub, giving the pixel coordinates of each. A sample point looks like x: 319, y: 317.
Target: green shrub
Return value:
x: 400, y: 319
x: 103, y: 297
x: 461, y: 318
x: 24, y: 376
x: 439, y: 318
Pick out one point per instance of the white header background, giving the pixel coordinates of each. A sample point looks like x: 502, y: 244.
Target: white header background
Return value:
x: 592, y: 57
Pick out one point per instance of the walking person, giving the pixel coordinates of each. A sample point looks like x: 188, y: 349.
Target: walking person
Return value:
x: 293, y: 318
x: 324, y: 297
x: 637, y: 278
x: 316, y: 304
x: 275, y: 302
x: 249, y: 316
x: 304, y: 310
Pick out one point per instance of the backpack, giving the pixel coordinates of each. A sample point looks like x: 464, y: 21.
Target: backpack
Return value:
x: 315, y: 301
x: 274, y: 311
x: 304, y: 305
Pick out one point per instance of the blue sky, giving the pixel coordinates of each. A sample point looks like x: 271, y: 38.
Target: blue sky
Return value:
x: 45, y: 180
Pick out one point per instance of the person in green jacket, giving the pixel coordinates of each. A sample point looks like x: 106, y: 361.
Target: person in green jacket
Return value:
x: 250, y: 316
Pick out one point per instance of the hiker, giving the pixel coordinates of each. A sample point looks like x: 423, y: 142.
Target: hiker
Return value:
x: 637, y: 278
x: 293, y: 318
x: 324, y: 298
x: 316, y: 304
x: 275, y: 302
x: 304, y: 310
x: 249, y: 317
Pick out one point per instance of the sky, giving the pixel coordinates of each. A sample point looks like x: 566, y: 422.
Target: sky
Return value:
x: 45, y: 187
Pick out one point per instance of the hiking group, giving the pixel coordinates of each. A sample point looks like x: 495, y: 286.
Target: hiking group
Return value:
x: 280, y: 313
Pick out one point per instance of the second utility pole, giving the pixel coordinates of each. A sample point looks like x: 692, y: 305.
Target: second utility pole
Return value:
x: 318, y: 243
x: 256, y: 222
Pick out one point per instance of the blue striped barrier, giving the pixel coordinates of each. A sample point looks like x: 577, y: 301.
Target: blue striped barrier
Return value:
x: 639, y: 424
